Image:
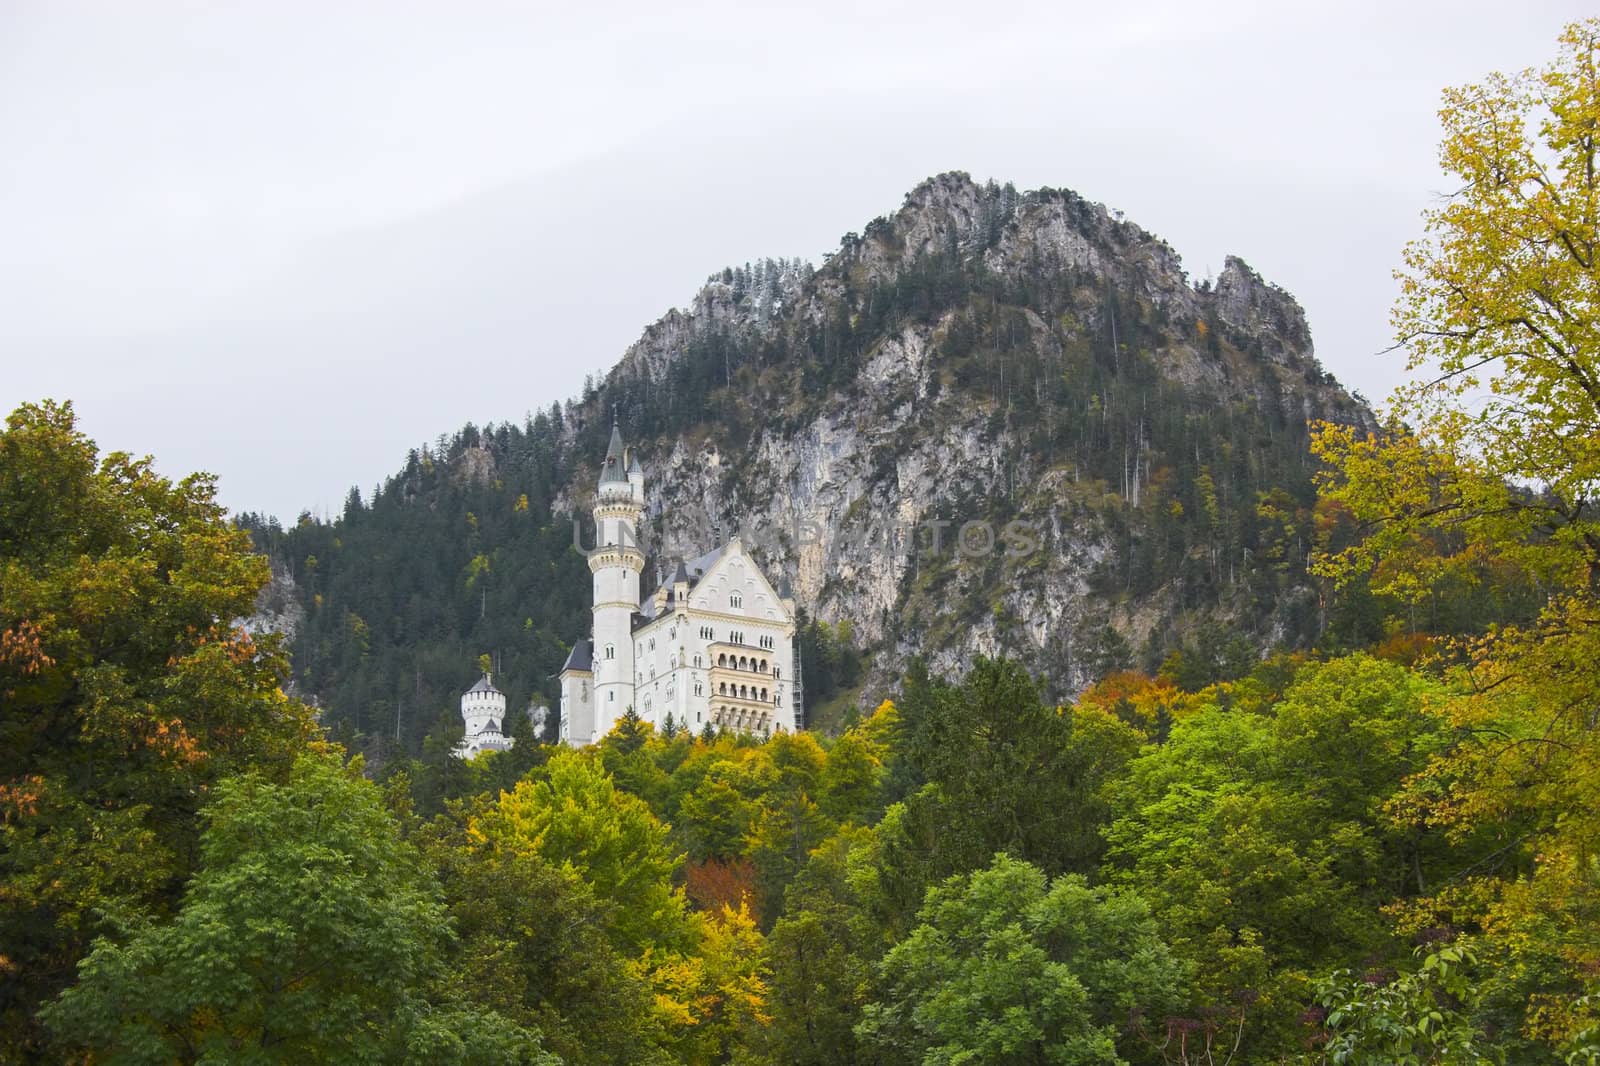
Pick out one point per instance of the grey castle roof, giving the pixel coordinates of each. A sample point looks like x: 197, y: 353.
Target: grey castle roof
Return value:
x: 579, y: 658
x: 698, y: 567
x: 633, y: 464
x: 484, y: 685
x: 613, y: 469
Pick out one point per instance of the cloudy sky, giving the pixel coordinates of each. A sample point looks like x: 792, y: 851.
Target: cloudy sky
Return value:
x: 284, y: 242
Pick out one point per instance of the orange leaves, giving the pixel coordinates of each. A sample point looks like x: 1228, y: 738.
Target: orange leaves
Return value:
x: 21, y: 647
x: 717, y: 883
x: 1141, y: 701
x: 20, y: 798
x: 22, y: 653
x: 173, y: 742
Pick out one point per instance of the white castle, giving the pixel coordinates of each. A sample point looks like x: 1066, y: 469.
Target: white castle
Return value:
x: 483, y: 713
x: 714, y: 644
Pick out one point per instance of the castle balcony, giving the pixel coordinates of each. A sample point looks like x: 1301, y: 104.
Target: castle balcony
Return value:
x: 741, y: 687
x: 740, y: 658
x: 741, y: 715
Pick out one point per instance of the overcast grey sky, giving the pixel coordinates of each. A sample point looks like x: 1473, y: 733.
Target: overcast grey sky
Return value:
x: 284, y: 242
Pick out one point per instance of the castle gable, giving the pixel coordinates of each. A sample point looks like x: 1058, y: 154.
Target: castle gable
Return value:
x: 732, y: 583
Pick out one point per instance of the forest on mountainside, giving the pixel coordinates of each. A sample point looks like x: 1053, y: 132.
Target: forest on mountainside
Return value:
x: 1376, y: 849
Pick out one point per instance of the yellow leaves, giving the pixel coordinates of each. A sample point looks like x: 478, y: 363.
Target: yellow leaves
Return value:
x: 716, y: 990
x: 1410, y: 514
x: 521, y: 506
x: 733, y: 949
x: 676, y: 981
x: 1507, y: 278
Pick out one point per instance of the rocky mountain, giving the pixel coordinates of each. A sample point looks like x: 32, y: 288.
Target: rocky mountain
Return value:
x: 991, y: 423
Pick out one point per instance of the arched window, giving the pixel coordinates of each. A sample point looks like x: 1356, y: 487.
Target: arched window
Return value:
x: 735, y: 600
x: 722, y: 660
x: 611, y: 651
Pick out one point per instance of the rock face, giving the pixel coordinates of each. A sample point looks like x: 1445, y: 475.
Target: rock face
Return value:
x: 278, y: 607
x: 1041, y: 362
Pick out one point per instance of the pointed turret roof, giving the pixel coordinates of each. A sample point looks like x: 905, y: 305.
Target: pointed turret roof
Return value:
x: 579, y: 658
x: 680, y: 573
x: 612, y: 469
x: 633, y: 463
x: 484, y: 685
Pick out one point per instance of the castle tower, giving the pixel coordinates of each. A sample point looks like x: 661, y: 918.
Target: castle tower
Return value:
x: 483, y: 714
x: 617, y: 564
x: 482, y: 704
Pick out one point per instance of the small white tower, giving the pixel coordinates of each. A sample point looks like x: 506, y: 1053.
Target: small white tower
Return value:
x: 616, y: 562
x: 483, y: 714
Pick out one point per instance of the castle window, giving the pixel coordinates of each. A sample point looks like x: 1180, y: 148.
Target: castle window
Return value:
x: 611, y: 695
x: 735, y: 600
x: 697, y: 661
x: 611, y: 651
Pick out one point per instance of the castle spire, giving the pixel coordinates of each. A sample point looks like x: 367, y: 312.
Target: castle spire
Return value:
x: 613, y: 469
